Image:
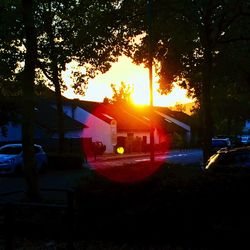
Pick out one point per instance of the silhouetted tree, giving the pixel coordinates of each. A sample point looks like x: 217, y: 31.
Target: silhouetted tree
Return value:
x: 79, y: 31
x: 122, y: 94
x: 44, y: 36
x: 189, y: 38
x: 28, y: 83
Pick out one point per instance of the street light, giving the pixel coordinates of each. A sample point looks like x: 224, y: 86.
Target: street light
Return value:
x: 150, y: 67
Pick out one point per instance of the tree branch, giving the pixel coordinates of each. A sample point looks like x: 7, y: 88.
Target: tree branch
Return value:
x: 190, y: 17
x: 40, y: 65
x: 224, y: 24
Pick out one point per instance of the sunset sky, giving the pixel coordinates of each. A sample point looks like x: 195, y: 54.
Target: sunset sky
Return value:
x: 137, y: 76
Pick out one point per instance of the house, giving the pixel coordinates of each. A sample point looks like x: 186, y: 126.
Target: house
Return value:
x: 45, y: 128
x: 112, y: 124
x: 131, y: 131
x: 166, y: 125
x: 96, y: 125
x: 179, y: 119
x: 47, y: 123
x: 123, y: 125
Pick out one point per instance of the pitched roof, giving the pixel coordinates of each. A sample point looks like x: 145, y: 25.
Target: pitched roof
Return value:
x: 46, y: 117
x: 159, y: 121
x: 178, y: 115
x: 132, y: 118
x: 126, y: 120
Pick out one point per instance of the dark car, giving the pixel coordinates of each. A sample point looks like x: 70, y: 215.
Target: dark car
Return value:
x: 98, y: 147
x: 219, y: 143
x: 229, y: 159
x: 11, y: 158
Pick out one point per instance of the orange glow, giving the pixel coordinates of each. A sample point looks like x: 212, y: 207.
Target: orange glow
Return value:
x: 123, y: 170
x: 136, y: 172
x: 137, y: 76
x: 130, y: 173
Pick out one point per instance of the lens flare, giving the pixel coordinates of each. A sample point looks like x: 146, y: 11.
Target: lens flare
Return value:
x: 120, y: 150
x: 121, y: 166
x: 130, y: 173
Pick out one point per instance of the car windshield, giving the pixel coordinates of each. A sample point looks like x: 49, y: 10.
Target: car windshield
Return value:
x: 11, y: 150
x: 231, y: 158
x: 219, y: 143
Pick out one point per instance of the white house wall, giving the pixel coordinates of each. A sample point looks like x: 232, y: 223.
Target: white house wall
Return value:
x: 97, y: 129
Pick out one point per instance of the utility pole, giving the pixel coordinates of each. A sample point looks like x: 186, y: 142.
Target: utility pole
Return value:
x: 150, y: 66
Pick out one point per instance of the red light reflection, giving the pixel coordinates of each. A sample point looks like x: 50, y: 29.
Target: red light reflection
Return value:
x: 125, y: 171
x: 129, y: 173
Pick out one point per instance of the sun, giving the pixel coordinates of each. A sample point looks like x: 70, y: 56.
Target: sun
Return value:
x: 137, y: 76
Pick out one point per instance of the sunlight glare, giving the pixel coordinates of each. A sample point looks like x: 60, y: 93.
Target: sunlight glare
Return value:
x: 137, y: 76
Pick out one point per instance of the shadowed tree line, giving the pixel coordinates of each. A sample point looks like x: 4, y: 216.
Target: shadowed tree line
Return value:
x: 38, y: 39
x: 204, y: 45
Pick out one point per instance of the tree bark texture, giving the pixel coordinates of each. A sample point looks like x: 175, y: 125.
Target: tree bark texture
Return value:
x: 56, y: 82
x: 207, y: 120
x: 30, y: 169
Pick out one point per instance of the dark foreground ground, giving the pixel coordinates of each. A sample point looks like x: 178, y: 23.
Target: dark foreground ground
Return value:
x: 178, y: 207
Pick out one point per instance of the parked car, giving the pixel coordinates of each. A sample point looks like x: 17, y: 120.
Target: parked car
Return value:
x: 229, y: 159
x: 218, y: 143
x: 98, y: 147
x: 245, y: 139
x: 11, y: 158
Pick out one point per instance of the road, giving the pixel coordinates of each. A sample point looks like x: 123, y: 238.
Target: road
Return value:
x: 68, y: 178
x: 184, y: 157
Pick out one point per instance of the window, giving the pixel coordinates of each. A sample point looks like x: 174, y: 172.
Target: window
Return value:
x: 14, y: 150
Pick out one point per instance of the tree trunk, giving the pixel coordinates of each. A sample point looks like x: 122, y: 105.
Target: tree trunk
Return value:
x: 207, y: 118
x: 56, y: 82
x: 60, y: 121
x: 206, y: 87
x: 30, y: 169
